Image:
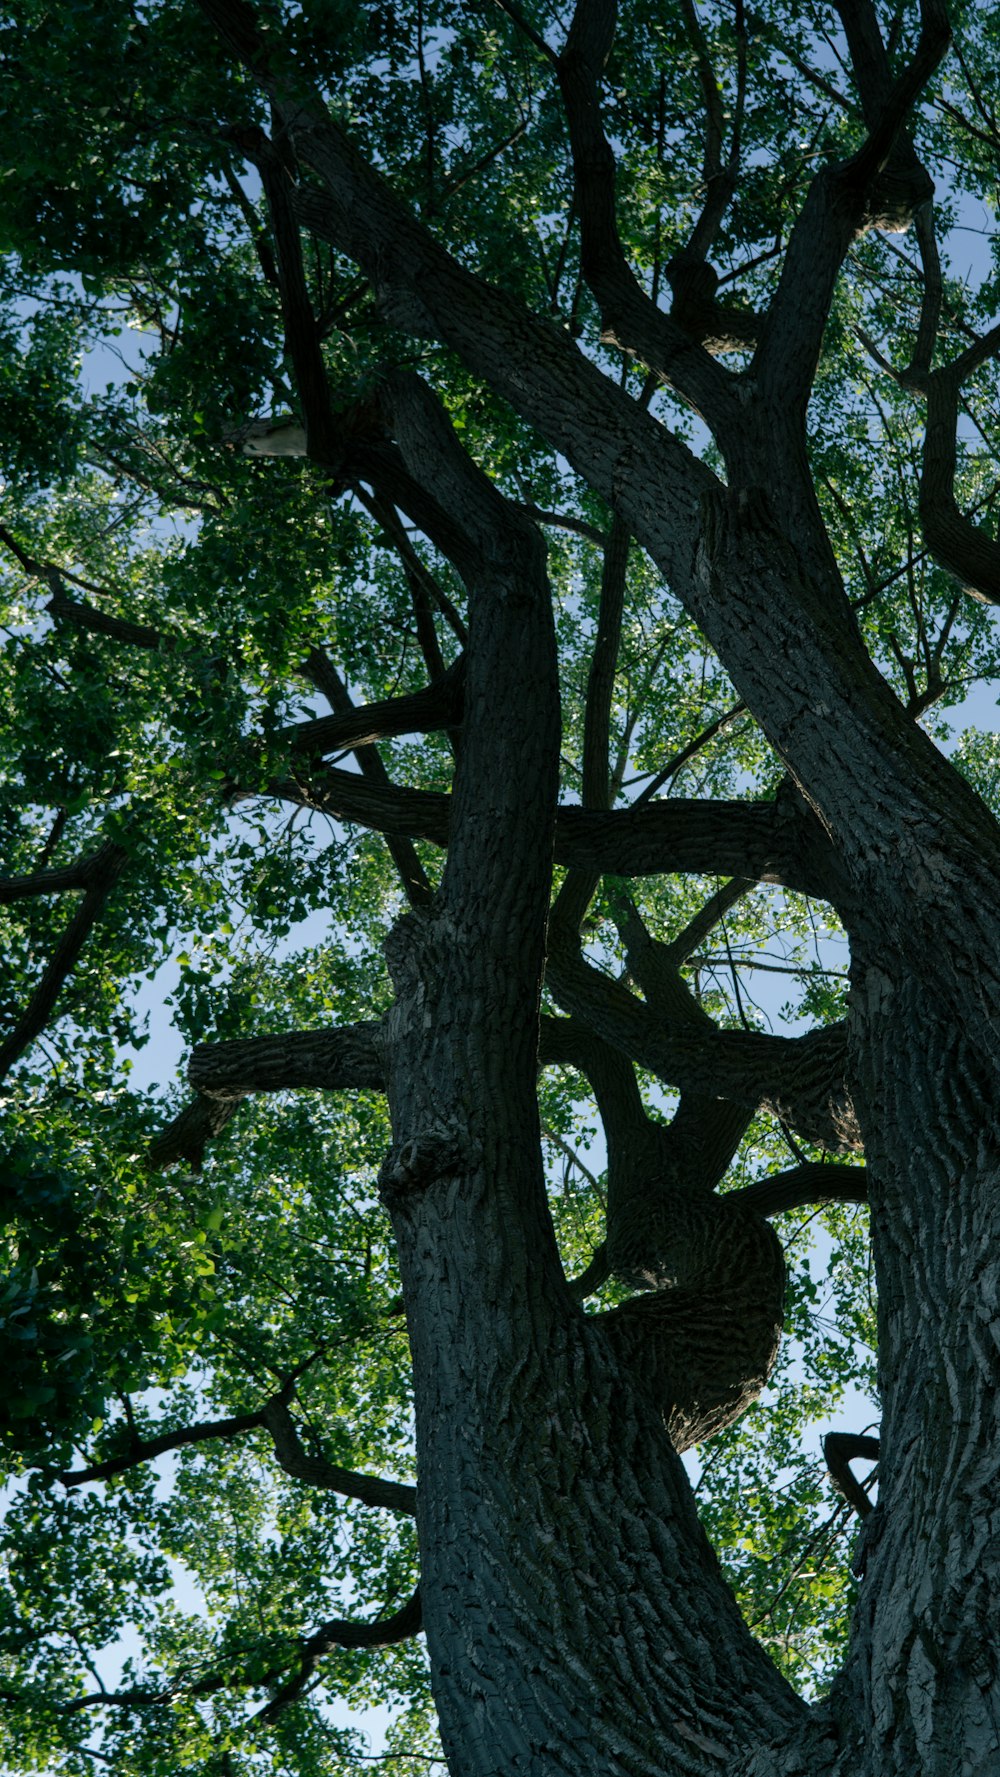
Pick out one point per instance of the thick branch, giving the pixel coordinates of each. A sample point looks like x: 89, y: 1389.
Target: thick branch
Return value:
x: 190, y: 1132
x: 904, y: 184
x: 387, y: 808
x: 601, y: 682
x: 78, y: 875
x: 326, y: 1060
x: 86, y: 616
x: 800, y: 1079
x: 813, y: 1182
x: 766, y: 841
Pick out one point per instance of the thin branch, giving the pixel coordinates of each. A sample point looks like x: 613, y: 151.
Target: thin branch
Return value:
x: 629, y: 318
x: 384, y: 1632
x: 319, y: 668
x: 105, y: 868
x: 80, y: 611
x: 371, y: 1490
x: 142, y: 1450
x: 839, y: 1449
x: 693, y: 747
x: 385, y: 515
x: 526, y: 28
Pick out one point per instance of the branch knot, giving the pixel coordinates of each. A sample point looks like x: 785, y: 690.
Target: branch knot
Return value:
x: 415, y: 1164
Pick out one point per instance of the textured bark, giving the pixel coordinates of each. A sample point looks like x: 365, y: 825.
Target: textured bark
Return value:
x: 291, y: 1061
x: 923, y: 1673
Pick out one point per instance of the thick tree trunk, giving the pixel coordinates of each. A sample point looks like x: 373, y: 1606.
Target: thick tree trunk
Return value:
x: 923, y: 1680
x: 576, y: 1617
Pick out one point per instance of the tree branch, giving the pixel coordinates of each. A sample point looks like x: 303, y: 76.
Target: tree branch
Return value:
x: 275, y: 163
x: 344, y: 1059
x: 629, y: 318
x: 437, y: 706
x: 105, y: 868
x: 604, y: 660
x: 839, y: 1447
x: 142, y: 1450
x: 766, y: 841
x: 812, y: 1182
x: 800, y: 1079
x: 79, y: 611
x: 275, y: 1417
x: 324, y: 675
x: 190, y: 1132
x: 337, y: 1633
x: 837, y: 205
x: 78, y: 875
x: 954, y: 541
x: 394, y: 1496
x: 384, y: 1632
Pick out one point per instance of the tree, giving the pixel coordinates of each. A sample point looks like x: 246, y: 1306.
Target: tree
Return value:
x: 581, y: 424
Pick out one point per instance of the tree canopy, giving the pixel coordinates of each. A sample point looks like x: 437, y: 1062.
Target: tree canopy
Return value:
x: 497, y: 531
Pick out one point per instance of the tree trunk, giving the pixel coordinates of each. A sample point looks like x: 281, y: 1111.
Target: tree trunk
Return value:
x: 923, y: 1678
x: 576, y: 1616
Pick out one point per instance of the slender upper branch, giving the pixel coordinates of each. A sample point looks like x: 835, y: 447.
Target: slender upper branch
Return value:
x: 80, y: 611
x: 302, y: 1465
x: 296, y: 1461
x: 834, y: 210
x: 630, y: 318
x: 142, y: 1450
x: 339, y: 1632
x: 958, y: 544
